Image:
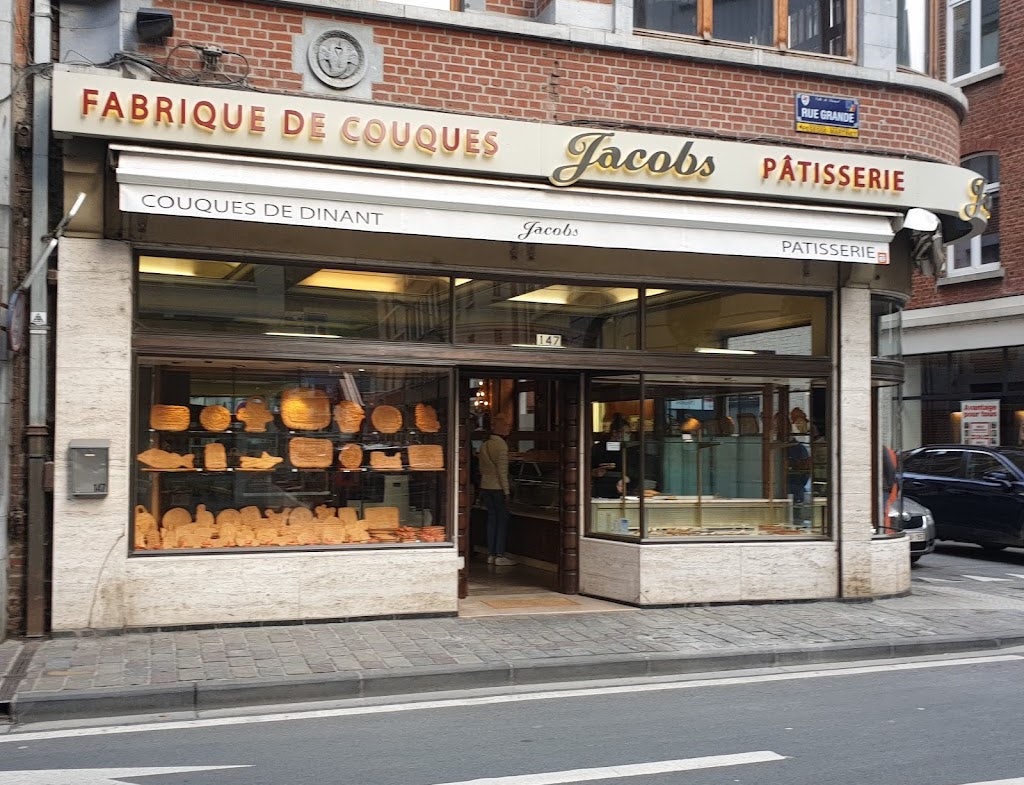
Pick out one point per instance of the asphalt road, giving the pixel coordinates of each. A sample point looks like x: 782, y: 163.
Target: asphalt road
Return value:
x: 939, y: 722
x: 974, y: 569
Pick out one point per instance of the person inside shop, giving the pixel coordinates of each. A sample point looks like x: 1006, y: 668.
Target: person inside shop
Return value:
x: 495, y: 488
x: 798, y: 470
x: 606, y: 460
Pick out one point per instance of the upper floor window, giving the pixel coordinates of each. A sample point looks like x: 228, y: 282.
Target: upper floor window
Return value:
x: 981, y: 253
x: 914, y: 34
x: 818, y: 26
x: 973, y: 34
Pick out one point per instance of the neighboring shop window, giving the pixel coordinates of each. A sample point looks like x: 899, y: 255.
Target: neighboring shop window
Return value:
x: 679, y: 459
x: 245, y: 298
x: 937, y: 385
x: 817, y: 26
x: 913, y: 34
x: 267, y: 455
x: 972, y: 36
x: 515, y: 313
x: 736, y: 323
x: 980, y: 253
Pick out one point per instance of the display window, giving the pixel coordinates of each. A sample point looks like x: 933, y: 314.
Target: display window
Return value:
x: 680, y: 458
x: 271, y: 455
x: 248, y: 298
x: 516, y: 313
x: 736, y: 322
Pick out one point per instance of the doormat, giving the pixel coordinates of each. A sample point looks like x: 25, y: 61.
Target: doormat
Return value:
x: 529, y: 602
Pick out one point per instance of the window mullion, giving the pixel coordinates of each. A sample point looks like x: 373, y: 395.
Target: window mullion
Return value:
x: 975, y: 35
x: 705, y: 14
x: 782, y: 24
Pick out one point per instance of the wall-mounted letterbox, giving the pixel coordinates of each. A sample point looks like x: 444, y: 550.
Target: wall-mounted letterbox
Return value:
x: 88, y: 468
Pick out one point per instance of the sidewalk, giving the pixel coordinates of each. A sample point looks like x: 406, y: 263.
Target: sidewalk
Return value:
x: 194, y: 670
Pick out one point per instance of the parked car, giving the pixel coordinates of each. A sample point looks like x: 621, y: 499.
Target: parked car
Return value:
x: 917, y: 521
x: 976, y: 494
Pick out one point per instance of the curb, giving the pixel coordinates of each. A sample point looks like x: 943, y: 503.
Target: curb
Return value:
x: 207, y: 696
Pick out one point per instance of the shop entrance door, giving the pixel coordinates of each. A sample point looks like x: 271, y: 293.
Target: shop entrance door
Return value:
x: 543, y: 417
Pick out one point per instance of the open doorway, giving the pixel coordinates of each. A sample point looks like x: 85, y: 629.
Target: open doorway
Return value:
x: 542, y: 436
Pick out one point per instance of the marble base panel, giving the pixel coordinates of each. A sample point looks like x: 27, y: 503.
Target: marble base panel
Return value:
x: 890, y: 566
x: 256, y: 587
x: 677, y: 574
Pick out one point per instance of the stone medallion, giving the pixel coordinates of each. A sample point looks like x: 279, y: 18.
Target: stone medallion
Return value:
x: 337, y: 59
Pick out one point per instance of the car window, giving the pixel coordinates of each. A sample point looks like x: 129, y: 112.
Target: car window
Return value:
x: 1016, y: 457
x: 980, y: 463
x: 939, y: 463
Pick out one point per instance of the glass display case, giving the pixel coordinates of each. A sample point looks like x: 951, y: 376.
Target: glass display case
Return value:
x: 323, y: 456
x: 671, y: 458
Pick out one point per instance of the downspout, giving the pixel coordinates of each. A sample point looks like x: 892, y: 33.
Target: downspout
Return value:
x: 6, y: 154
x: 38, y: 430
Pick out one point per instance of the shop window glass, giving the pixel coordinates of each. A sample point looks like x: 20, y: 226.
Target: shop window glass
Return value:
x: 745, y: 21
x: 245, y: 455
x: 233, y: 298
x: 511, y: 313
x: 973, y: 34
x: 886, y: 328
x: 741, y: 323
x: 708, y: 460
x: 673, y: 16
x: 817, y: 26
x: 913, y: 31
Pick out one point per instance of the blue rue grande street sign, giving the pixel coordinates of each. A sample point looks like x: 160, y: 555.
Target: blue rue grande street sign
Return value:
x: 822, y: 114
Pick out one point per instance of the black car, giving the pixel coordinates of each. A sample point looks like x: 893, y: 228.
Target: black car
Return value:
x: 975, y: 494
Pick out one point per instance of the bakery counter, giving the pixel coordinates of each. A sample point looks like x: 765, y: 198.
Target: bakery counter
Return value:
x: 707, y: 516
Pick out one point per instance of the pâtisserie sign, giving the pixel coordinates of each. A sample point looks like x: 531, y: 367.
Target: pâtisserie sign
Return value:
x: 190, y: 116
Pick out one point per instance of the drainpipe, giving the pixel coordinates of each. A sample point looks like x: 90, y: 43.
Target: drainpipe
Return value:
x: 38, y: 429
x: 6, y: 154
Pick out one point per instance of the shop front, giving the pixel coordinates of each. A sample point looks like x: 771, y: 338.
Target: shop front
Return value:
x: 291, y: 321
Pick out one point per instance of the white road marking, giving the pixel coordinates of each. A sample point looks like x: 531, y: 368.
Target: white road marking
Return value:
x: 630, y: 770
x: 1014, y: 781
x: 95, y: 776
x: 1015, y: 574
x: 935, y: 580
x: 16, y: 735
x: 986, y: 579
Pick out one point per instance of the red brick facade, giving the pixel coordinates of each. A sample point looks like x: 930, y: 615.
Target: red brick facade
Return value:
x: 511, y: 76
x: 992, y: 126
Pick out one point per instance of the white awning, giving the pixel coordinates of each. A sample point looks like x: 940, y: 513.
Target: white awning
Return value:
x: 300, y: 193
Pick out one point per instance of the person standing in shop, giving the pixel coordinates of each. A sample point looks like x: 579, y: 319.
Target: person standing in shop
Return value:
x: 494, y: 488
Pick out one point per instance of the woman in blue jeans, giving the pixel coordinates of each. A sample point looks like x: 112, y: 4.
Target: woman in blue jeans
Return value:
x: 494, y: 488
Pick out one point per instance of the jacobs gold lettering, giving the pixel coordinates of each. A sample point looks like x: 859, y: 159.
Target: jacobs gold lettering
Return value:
x: 592, y: 151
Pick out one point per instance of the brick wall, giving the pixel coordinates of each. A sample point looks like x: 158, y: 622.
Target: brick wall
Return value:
x: 995, y: 123
x: 488, y: 74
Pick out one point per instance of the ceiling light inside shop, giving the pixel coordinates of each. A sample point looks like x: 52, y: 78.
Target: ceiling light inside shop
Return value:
x: 713, y: 350
x: 189, y: 268
x: 387, y: 283
x: 564, y: 294
x: 303, y: 335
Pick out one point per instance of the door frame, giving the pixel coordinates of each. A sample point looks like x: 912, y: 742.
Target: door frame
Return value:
x: 569, y: 421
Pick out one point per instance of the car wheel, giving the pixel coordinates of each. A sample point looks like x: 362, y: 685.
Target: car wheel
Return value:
x: 915, y: 557
x: 986, y: 546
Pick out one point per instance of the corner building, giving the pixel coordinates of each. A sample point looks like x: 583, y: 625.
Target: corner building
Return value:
x: 962, y: 328
x: 322, y: 248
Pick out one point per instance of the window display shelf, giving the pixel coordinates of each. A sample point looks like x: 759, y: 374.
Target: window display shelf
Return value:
x: 350, y: 456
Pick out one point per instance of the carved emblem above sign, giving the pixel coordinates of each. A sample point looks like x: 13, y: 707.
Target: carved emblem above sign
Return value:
x: 337, y: 59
